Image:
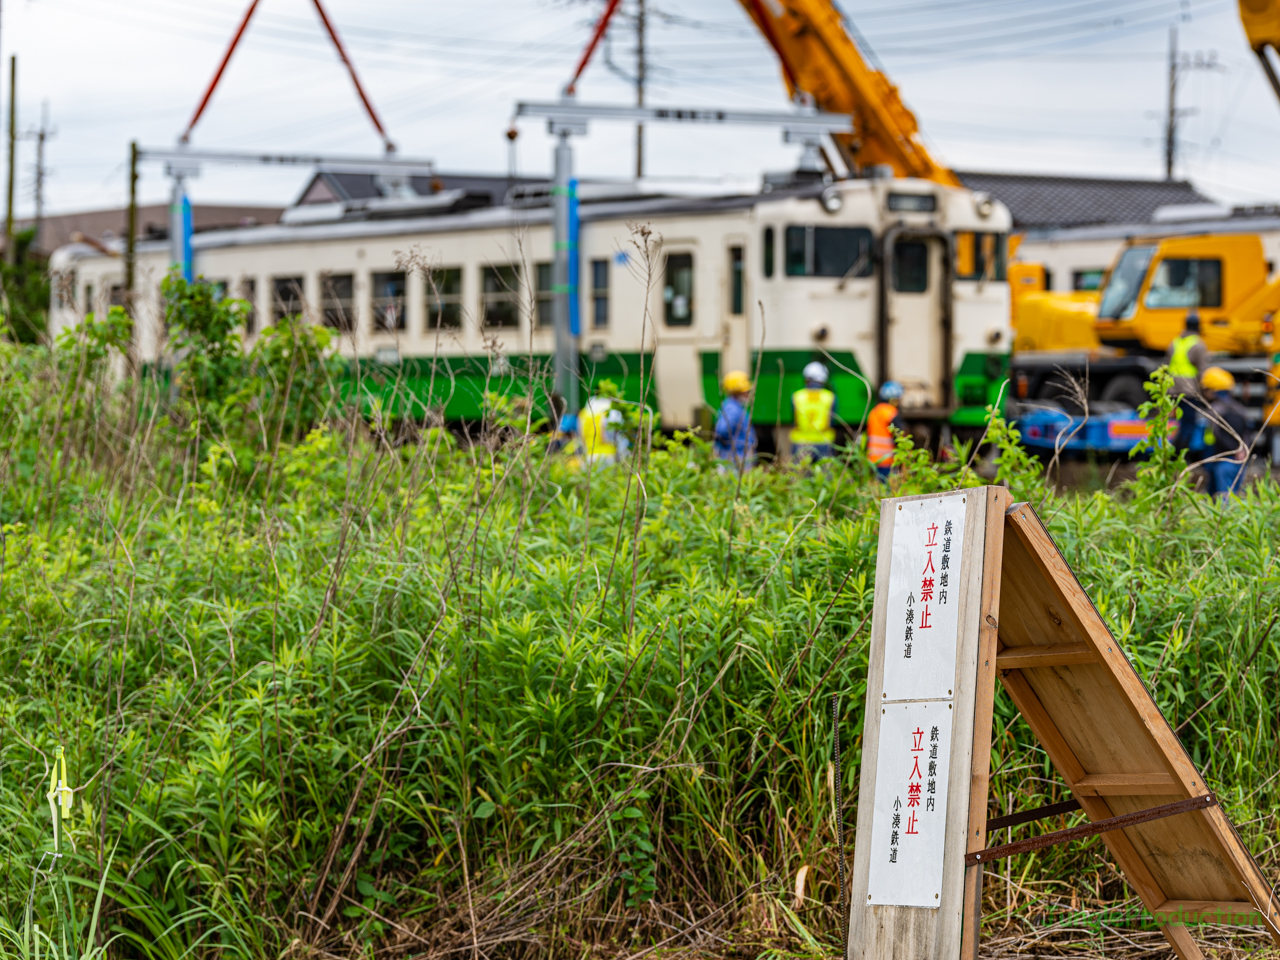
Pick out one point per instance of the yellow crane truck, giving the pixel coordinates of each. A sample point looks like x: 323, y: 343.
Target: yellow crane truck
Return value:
x: 1114, y: 337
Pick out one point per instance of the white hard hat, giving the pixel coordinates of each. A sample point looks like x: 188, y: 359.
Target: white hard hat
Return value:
x: 815, y: 372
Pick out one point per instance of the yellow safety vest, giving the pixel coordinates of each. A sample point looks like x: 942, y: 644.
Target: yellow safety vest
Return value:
x: 1180, y: 364
x: 595, y: 442
x: 880, y: 444
x: 813, y: 416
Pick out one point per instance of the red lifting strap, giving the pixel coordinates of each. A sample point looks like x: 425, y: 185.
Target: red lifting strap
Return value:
x: 591, y: 45
x: 342, y: 53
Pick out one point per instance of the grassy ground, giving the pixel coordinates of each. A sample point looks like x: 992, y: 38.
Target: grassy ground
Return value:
x: 325, y: 694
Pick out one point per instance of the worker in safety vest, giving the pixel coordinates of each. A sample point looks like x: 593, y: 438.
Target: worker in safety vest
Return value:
x: 600, y: 432
x: 881, y: 422
x: 735, y: 438
x: 814, y: 406
x: 1225, y: 433
x: 1187, y: 358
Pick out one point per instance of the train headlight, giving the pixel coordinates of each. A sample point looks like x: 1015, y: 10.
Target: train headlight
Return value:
x: 832, y: 200
x: 983, y: 205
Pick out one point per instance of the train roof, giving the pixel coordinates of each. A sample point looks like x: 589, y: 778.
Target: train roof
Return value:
x: 454, y: 206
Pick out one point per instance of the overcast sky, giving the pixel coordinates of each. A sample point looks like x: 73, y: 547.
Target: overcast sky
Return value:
x: 1000, y: 85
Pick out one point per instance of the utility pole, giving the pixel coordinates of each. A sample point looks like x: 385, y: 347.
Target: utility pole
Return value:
x: 9, y: 252
x: 131, y: 225
x: 640, y: 80
x: 40, y: 136
x: 1172, y: 112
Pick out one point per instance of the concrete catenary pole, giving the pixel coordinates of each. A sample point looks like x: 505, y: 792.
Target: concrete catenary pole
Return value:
x: 641, y: 76
x: 10, y: 254
x: 566, y: 344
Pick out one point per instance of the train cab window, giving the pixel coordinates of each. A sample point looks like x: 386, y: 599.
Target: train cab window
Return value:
x: 911, y: 266
x: 337, y: 301
x: 677, y: 290
x: 735, y: 281
x: 599, y: 293
x: 980, y: 255
x: 545, y: 298
x: 1186, y: 283
x: 444, y: 298
x: 249, y: 294
x: 388, y: 301
x: 768, y: 251
x: 501, y: 295
x: 828, y: 251
x: 286, y: 297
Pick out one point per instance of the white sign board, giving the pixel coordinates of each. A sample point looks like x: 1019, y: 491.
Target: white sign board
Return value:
x: 922, y: 623
x: 909, y: 824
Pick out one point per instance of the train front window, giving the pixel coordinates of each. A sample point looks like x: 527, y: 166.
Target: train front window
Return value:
x: 911, y: 266
x: 980, y: 255
x: 677, y: 290
x: 828, y: 251
x: 1120, y: 298
x: 1186, y: 283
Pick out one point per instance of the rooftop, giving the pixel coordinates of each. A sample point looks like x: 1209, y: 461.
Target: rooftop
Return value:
x: 1047, y: 201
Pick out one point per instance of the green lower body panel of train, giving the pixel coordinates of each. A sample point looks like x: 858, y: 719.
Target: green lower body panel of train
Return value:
x: 466, y: 388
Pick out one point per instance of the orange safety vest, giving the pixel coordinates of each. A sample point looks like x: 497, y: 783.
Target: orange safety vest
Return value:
x: 879, y: 436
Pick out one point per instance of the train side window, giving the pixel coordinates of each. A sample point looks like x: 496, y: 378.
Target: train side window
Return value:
x: 1085, y: 279
x: 249, y: 293
x: 444, y: 298
x: 677, y: 290
x: 911, y: 266
x: 599, y: 293
x: 501, y: 295
x: 88, y: 298
x: 286, y: 297
x: 768, y: 251
x: 545, y: 297
x: 1186, y: 283
x: 337, y: 300
x: 388, y: 301
x: 735, y: 281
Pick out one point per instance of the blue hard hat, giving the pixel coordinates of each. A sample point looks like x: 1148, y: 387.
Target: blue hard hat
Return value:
x: 891, y: 390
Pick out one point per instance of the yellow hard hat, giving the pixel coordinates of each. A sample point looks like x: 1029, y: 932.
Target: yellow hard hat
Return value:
x: 735, y: 381
x: 1215, y: 378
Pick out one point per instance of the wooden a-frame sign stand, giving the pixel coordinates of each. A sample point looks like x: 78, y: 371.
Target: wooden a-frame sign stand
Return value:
x: 972, y: 574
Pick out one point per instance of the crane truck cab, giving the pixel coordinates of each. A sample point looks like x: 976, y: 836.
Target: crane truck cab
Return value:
x: 1113, y: 338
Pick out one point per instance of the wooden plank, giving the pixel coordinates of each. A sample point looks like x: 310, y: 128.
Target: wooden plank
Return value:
x: 1209, y: 911
x: 1049, y: 655
x: 1126, y: 785
x: 1109, y: 725
x: 1029, y: 528
x: 881, y: 932
x: 998, y: 502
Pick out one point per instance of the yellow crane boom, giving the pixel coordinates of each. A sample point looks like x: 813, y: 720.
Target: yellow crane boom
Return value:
x: 820, y: 59
x: 1261, y: 19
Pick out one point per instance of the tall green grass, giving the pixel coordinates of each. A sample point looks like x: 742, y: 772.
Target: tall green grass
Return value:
x: 324, y: 692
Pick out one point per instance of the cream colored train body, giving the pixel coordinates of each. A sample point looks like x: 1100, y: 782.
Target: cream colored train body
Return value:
x: 879, y: 279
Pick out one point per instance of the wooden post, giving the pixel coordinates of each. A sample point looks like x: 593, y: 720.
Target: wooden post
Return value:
x: 998, y: 502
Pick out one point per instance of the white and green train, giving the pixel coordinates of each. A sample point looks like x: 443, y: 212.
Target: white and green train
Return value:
x: 443, y: 286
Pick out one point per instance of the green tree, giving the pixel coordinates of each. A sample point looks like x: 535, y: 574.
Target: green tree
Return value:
x: 24, y: 291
